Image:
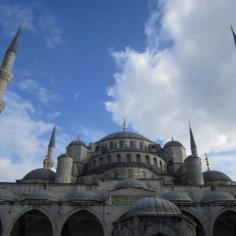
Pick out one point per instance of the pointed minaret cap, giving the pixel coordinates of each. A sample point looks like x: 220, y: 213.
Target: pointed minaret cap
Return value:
x: 52, y: 139
x: 192, y: 142
x: 14, y: 43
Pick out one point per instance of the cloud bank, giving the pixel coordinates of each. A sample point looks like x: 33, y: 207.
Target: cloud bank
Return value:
x: 187, y: 72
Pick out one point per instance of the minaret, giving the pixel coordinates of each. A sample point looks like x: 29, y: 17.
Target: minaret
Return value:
x: 193, y: 164
x: 192, y: 142
x: 48, y: 161
x: 6, y: 74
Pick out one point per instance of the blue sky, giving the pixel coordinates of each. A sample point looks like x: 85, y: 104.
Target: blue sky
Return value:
x: 78, y: 67
x: 88, y: 64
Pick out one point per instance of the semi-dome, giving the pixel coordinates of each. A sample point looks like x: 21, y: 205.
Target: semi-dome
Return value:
x: 40, y: 194
x: 213, y: 176
x: 41, y: 173
x: 130, y: 183
x: 173, y: 143
x: 217, y: 196
x: 6, y: 195
x: 177, y: 197
x: 81, y: 195
x: 125, y: 134
x: 150, y: 206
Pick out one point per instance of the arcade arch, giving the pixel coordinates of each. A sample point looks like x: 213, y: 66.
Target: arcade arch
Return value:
x: 199, y: 229
x: 225, y: 224
x: 84, y: 222
x: 32, y: 223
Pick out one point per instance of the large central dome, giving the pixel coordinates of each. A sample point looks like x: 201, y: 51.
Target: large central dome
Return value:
x: 125, y: 134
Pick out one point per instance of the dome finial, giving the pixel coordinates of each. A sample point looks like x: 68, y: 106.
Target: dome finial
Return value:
x: 207, y: 162
x: 124, y: 125
x: 172, y: 138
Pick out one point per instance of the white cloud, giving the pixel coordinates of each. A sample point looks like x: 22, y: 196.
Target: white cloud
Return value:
x: 42, y: 93
x: 76, y: 96
x: 53, y: 34
x: 191, y: 78
x: 24, y: 139
x: 35, y: 18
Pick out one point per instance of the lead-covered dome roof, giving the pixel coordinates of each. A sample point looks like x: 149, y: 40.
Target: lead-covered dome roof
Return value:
x: 125, y: 134
x: 150, y: 206
x: 41, y: 173
x: 177, y: 197
x: 217, y: 196
x: 212, y: 176
x: 130, y: 183
x: 173, y: 143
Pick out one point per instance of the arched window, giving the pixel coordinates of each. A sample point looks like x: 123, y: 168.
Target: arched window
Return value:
x: 144, y: 174
x: 161, y: 165
x: 128, y: 157
x: 141, y: 145
x: 101, y: 161
x: 115, y: 173
x: 109, y: 159
x: 147, y: 158
x: 118, y: 158
x: 138, y: 158
x: 130, y: 173
x: 94, y: 163
x: 111, y: 145
x: 155, y: 161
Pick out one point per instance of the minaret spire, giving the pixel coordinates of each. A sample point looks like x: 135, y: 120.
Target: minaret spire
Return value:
x: 192, y: 142
x: 48, y: 161
x: 6, y: 74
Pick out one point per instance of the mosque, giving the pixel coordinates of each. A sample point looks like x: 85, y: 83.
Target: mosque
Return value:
x: 122, y: 185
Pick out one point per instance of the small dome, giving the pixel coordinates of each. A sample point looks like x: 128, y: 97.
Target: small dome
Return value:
x: 81, y: 195
x: 177, y: 197
x: 217, y: 196
x: 77, y: 142
x: 173, y: 143
x: 6, y: 195
x: 150, y: 206
x: 124, y: 135
x: 40, y: 195
x: 130, y: 183
x: 212, y: 176
x: 41, y: 173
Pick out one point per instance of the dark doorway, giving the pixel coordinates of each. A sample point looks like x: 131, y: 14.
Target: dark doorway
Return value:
x: 32, y: 223
x: 199, y: 229
x: 82, y: 223
x: 225, y: 224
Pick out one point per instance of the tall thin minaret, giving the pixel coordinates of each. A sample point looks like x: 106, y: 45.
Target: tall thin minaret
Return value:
x: 48, y: 161
x: 6, y: 74
x: 193, y: 164
x: 192, y: 142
